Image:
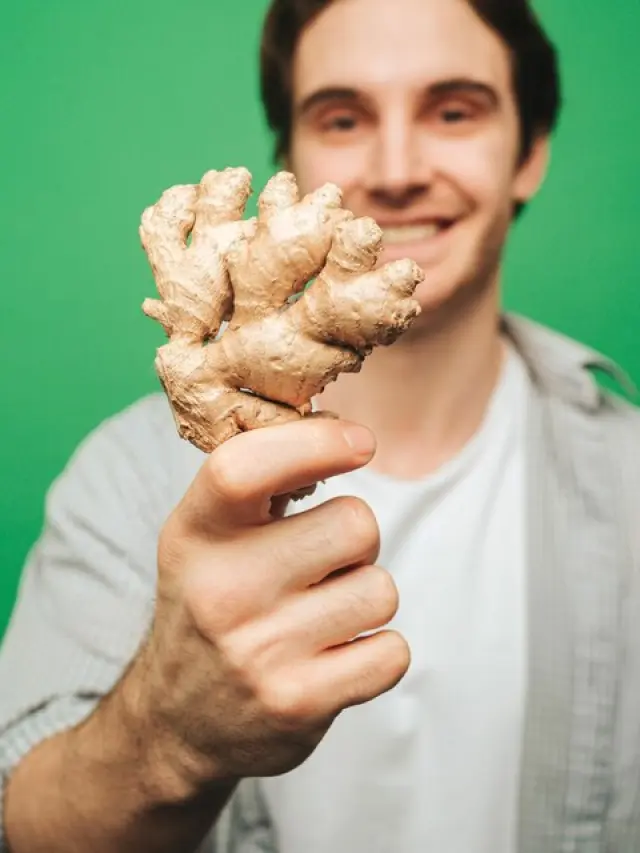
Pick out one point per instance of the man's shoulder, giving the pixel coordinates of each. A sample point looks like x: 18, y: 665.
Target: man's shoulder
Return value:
x: 588, y: 413
x: 567, y: 369
x: 621, y: 411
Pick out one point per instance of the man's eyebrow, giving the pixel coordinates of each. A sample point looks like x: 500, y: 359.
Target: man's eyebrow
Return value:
x: 344, y: 94
x: 327, y: 95
x: 463, y: 85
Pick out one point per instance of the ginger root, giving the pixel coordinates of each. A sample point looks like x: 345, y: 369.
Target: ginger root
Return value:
x: 285, y: 338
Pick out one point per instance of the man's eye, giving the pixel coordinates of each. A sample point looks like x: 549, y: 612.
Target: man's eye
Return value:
x: 340, y: 122
x: 452, y: 116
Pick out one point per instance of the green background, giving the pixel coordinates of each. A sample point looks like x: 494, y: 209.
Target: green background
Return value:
x: 104, y: 105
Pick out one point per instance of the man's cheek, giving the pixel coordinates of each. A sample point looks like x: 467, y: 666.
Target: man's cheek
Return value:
x: 487, y: 171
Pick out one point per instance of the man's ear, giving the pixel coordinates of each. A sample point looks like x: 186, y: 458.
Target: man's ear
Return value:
x: 532, y: 172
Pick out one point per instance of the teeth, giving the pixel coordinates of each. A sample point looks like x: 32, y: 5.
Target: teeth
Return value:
x: 411, y: 233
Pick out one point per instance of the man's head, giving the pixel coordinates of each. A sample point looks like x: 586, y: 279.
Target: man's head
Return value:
x: 432, y: 115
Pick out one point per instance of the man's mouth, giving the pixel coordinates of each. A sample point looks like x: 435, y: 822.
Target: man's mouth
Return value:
x: 415, y: 233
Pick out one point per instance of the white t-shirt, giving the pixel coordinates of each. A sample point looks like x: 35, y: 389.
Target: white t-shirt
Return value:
x: 433, y: 765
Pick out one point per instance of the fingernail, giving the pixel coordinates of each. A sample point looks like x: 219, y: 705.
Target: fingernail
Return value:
x: 360, y: 439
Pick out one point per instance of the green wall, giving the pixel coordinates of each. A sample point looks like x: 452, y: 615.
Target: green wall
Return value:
x: 104, y: 105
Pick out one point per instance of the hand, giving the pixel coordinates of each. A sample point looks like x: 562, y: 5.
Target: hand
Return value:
x: 255, y: 645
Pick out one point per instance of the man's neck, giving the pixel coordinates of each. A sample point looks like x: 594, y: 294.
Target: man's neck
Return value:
x: 426, y: 395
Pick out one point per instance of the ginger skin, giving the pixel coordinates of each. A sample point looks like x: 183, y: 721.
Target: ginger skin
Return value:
x: 276, y: 353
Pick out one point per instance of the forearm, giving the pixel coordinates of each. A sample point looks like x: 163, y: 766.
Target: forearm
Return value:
x: 103, y: 786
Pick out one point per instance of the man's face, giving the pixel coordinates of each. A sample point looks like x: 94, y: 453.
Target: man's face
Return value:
x: 409, y: 107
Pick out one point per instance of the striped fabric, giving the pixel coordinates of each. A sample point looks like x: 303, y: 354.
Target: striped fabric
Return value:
x: 87, y: 594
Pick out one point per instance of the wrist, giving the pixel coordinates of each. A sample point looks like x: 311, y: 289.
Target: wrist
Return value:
x: 167, y: 772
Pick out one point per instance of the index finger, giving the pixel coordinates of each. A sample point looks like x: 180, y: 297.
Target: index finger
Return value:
x: 235, y: 486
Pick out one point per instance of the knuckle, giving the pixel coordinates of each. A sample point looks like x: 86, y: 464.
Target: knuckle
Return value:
x: 237, y: 659
x: 223, y: 475
x: 224, y: 609
x: 360, y: 521
x: 383, y: 590
x: 284, y: 700
x: 396, y: 653
x: 387, y: 664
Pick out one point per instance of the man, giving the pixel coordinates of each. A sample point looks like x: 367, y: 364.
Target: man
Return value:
x: 182, y: 656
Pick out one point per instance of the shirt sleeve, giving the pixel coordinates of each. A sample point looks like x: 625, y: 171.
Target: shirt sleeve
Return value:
x: 87, y: 591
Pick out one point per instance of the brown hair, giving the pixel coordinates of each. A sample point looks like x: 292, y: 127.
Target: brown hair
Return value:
x: 535, y: 67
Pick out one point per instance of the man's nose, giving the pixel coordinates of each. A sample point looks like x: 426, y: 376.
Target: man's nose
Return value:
x: 399, y: 170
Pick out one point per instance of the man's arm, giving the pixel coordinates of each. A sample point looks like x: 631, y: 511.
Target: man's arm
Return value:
x: 104, y: 786
x: 84, y: 605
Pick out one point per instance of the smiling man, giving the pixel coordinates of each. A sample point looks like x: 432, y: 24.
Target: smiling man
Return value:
x: 417, y: 118
x: 180, y: 674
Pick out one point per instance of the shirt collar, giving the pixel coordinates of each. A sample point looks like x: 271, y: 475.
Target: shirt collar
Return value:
x: 562, y: 365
